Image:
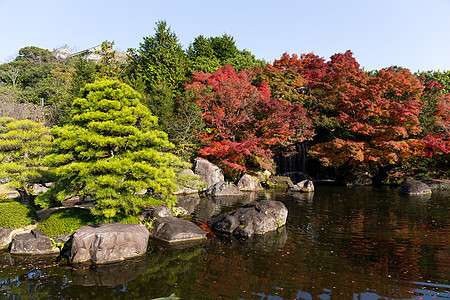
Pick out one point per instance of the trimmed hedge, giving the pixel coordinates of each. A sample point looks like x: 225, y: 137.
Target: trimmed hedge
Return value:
x: 15, y: 214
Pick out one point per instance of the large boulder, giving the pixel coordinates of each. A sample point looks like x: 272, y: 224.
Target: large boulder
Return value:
x: 223, y: 189
x: 414, y: 187
x: 209, y: 173
x: 279, y: 183
x: 249, y: 183
x: 305, y: 186
x: 257, y: 217
x: 33, y: 243
x: 174, y: 230
x: 108, y: 242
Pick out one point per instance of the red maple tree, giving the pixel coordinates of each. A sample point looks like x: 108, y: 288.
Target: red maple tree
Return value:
x: 245, y: 125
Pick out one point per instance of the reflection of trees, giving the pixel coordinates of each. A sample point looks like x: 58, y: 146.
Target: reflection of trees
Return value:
x: 166, y: 272
x: 378, y: 243
x: 366, y: 241
x: 212, y: 206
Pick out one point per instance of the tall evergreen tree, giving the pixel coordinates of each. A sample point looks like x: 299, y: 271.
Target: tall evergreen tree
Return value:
x: 161, y: 59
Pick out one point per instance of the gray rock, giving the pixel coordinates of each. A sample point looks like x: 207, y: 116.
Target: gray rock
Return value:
x: 437, y: 184
x: 414, y: 187
x: 40, y: 188
x: 280, y: 182
x: 191, y: 183
x: 305, y: 186
x: 209, y: 173
x: 62, y: 238
x: 149, y: 213
x: 223, y: 189
x: 6, y: 237
x: 108, y: 242
x: 174, y: 230
x: 359, y: 180
x: 257, y: 217
x: 33, y: 243
x: 249, y: 183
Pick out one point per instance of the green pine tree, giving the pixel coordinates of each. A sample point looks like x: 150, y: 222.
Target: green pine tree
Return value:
x: 23, y: 144
x: 112, y: 153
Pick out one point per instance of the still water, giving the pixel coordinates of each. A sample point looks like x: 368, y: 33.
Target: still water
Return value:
x: 339, y: 243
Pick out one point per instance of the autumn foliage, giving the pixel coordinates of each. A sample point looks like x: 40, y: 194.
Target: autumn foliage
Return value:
x: 372, y: 120
x: 245, y: 125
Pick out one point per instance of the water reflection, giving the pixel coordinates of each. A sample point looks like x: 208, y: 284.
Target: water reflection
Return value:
x: 110, y: 275
x: 212, y: 206
x: 339, y: 243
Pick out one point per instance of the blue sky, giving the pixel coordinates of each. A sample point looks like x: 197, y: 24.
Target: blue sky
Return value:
x: 409, y: 33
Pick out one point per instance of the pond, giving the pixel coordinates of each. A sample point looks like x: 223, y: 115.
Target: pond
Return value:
x: 339, y: 243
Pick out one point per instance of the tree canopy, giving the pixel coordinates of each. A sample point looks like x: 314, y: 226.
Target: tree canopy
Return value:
x: 244, y: 123
x: 23, y: 145
x: 111, y: 152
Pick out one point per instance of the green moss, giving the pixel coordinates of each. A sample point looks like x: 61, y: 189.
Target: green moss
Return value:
x: 66, y: 221
x: 15, y: 214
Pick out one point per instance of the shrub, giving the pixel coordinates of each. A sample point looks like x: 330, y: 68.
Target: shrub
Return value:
x: 15, y: 214
x: 66, y: 221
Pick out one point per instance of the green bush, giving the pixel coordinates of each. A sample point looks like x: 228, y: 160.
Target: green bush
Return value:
x: 15, y: 214
x: 66, y: 221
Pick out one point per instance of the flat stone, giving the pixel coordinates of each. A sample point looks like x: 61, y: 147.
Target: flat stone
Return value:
x: 174, y: 230
x: 108, y: 242
x: 33, y: 243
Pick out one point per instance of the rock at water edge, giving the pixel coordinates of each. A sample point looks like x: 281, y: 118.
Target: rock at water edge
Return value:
x: 108, y: 242
x: 257, y: 217
x: 249, y: 183
x: 33, y: 243
x: 414, y: 187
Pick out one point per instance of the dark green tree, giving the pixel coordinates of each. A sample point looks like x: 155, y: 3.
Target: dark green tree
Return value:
x: 113, y: 153
x: 208, y: 54
x: 161, y: 59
